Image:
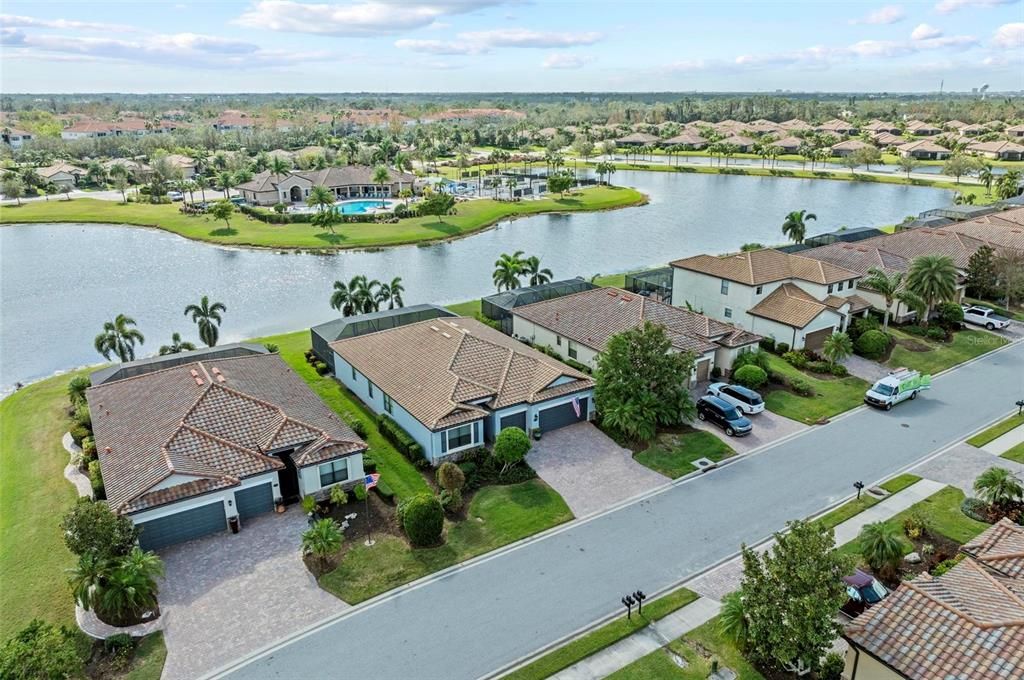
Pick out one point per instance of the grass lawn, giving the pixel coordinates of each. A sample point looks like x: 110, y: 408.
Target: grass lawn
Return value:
x: 1015, y: 454
x: 832, y: 395
x: 859, y: 505
x: 996, y: 431
x: 33, y: 497
x: 673, y: 454
x: 150, y: 655
x: 602, y: 637
x: 470, y: 216
x: 965, y: 345
x: 659, y: 665
x: 497, y: 516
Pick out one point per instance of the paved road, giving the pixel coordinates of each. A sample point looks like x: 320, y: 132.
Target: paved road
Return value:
x: 484, y: 616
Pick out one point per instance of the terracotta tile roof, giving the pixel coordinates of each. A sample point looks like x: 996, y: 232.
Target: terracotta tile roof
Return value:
x: 328, y: 177
x: 996, y: 147
x: 739, y: 140
x: 1000, y: 548
x: 859, y: 256
x: 214, y: 419
x: 687, y: 138
x: 880, y: 126
x: 856, y: 302
x: 638, y: 138
x: 836, y: 125
x: 788, y: 143
x: 592, y: 317
x: 765, y: 266
x: 926, y: 145
x: 851, y: 145
x: 795, y: 124
x: 433, y: 367
x: 61, y: 166
x: 919, y: 126
x: 789, y: 304
x: 888, y: 139
x: 911, y: 243
x: 1003, y: 229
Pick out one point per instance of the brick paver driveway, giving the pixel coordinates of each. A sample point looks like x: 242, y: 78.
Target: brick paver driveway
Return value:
x: 588, y: 469
x: 228, y: 595
x: 962, y: 464
x: 768, y: 427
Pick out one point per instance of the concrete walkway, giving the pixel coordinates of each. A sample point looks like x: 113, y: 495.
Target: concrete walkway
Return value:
x: 1004, y: 443
x: 82, y: 484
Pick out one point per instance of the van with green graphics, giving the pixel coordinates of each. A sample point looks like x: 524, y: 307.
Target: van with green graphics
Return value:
x: 900, y: 385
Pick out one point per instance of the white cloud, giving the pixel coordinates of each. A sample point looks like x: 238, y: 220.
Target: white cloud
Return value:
x: 439, y: 47
x: 808, y: 56
x: 822, y: 56
x: 889, y: 14
x: 924, y: 32
x: 563, y: 60
x: 1009, y: 36
x: 14, y: 20
x: 687, y: 66
x: 522, y: 37
x: 950, y: 6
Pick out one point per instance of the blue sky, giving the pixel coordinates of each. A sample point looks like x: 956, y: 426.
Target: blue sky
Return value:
x: 488, y: 45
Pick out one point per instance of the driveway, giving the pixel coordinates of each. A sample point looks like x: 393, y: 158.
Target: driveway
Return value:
x: 962, y: 464
x: 588, y: 469
x: 865, y: 369
x: 768, y: 428
x: 227, y: 595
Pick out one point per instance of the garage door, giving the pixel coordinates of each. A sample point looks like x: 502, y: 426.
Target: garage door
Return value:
x: 514, y: 420
x: 815, y: 341
x: 703, y: 370
x: 255, y: 500
x: 560, y: 416
x: 182, y: 526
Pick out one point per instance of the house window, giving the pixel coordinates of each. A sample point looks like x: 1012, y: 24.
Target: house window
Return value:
x: 355, y: 376
x: 725, y: 287
x: 369, y: 388
x: 387, y: 403
x: 851, y: 284
x: 334, y: 472
x: 460, y: 436
x: 757, y: 291
x: 830, y: 288
x: 728, y: 312
x: 558, y: 340
x: 572, y: 351
x: 841, y: 285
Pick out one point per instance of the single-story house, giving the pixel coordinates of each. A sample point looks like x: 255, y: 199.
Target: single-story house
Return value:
x: 350, y: 181
x: 876, y: 126
x: 965, y: 623
x: 62, y: 174
x: 788, y: 144
x: 191, y: 443
x: 453, y: 384
x: 637, y: 139
x: 886, y: 140
x: 837, y: 127
x: 923, y: 149
x: 1004, y: 151
x: 687, y: 139
x: 973, y: 130
x: 184, y: 163
x: 922, y: 129
x: 795, y: 125
x: 232, y: 119
x: 137, y: 170
x: 740, y: 143
x: 849, y: 147
x: 1014, y: 131
x: 14, y: 137
x: 955, y: 125
x: 580, y: 325
x: 499, y: 306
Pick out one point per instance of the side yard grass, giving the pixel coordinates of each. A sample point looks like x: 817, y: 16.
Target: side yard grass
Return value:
x: 672, y: 454
x: 1015, y: 454
x: 832, y: 395
x: 965, y: 345
x: 859, y: 505
x: 600, y: 638
x: 996, y: 431
x: 148, y: 663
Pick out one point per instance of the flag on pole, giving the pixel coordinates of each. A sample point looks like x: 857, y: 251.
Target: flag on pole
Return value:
x: 371, y: 480
x: 576, y: 406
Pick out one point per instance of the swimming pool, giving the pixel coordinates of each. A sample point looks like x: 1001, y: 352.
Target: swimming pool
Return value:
x: 359, y: 207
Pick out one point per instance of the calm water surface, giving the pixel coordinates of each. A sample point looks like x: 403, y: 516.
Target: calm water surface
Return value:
x: 60, y: 282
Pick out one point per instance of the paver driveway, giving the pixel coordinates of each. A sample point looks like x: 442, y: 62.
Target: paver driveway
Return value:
x: 588, y: 469
x: 768, y: 427
x: 962, y: 464
x: 228, y: 595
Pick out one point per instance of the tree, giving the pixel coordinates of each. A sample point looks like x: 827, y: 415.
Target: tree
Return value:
x: 278, y: 166
x: 791, y: 595
x: 119, y: 338
x: 177, y: 345
x: 890, y: 287
x: 964, y: 199
x: 65, y: 189
x: 837, y: 347
x: 561, y: 182
x: 130, y: 588
x: 450, y: 477
x: 42, y: 650
x: 91, y: 528
x: 341, y: 299
x: 1008, y: 185
x: 1009, y: 266
x: 795, y: 227
x: 959, y: 165
x: 202, y: 183
x: 933, y: 279
x: 320, y: 197
x: 76, y: 389
x: 326, y: 220
x: 881, y: 548
x: 12, y: 186
x: 208, y: 317
x: 641, y: 383
x: 907, y: 164
x: 322, y: 540
x: 986, y: 177
x: 222, y: 210
x: 364, y: 293
x: 732, y: 619
x: 532, y: 269
x: 437, y: 204
x: 382, y: 178
x: 422, y: 519
x: 982, y: 278
x: 226, y: 181
x: 507, y: 270
x: 604, y: 170
x: 510, y: 447
x: 121, y: 184
x: 998, y: 487
x: 390, y: 293
x: 867, y: 155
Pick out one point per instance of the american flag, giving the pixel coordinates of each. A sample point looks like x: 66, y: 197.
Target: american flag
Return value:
x: 371, y: 480
x: 576, y: 406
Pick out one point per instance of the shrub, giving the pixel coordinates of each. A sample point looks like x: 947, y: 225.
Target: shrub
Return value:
x: 975, y: 508
x: 79, y: 432
x: 359, y: 491
x: 872, y: 344
x: 88, y: 449
x: 451, y: 501
x: 96, y: 478
x: 862, y: 325
x: 949, y: 315
x: 914, y: 329
x: 271, y: 347
x: 751, y: 376
x: 797, y: 359
x: 119, y: 649
x: 801, y: 387
x: 422, y: 519
x: 781, y: 347
x: 510, y: 447
x: 832, y: 667
x: 450, y: 477
x: 839, y: 371
x: 279, y: 208
x: 369, y: 464
x: 401, y: 439
x: 338, y: 495
x: 945, y: 565
x: 42, y: 650
x: 83, y: 417
x: 385, y: 491
x: 359, y: 427
x: 819, y: 367
x: 767, y: 344
x: 936, y: 333
x: 748, y: 358
x: 91, y: 528
x: 321, y: 368
x: 914, y: 526
x: 716, y: 373
x: 308, y: 505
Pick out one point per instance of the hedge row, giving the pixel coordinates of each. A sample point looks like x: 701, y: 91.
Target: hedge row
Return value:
x: 304, y: 218
x: 401, y: 439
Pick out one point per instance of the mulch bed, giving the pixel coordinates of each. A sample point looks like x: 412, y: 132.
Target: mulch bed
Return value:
x: 383, y: 521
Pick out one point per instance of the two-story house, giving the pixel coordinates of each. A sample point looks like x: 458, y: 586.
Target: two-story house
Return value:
x: 797, y: 300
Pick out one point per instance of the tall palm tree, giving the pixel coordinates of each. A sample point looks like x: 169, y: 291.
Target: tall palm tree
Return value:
x: 208, y: 317
x: 177, y: 345
x: 341, y: 299
x: 986, y: 177
x: 933, y: 279
x: 390, y: 293
x: 795, y: 226
x: 507, y: 269
x: 890, y: 287
x: 382, y: 178
x: 881, y: 548
x: 320, y: 197
x: 364, y: 293
x: 119, y: 338
x: 202, y: 183
x: 998, y: 487
x: 278, y: 166
x: 226, y: 181
x: 531, y: 267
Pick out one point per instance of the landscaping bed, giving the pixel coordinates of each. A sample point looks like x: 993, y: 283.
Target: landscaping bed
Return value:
x: 932, y: 356
x: 672, y: 452
x: 831, y: 395
x: 143, y: 661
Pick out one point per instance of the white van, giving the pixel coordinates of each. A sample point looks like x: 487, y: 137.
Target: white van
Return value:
x: 899, y: 385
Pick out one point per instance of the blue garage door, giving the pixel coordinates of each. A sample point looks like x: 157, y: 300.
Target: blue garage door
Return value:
x: 560, y: 416
x: 256, y: 500
x: 514, y: 420
x: 182, y: 526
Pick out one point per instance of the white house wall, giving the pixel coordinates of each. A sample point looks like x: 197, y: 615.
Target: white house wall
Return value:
x: 543, y: 337
x: 794, y: 337
x: 224, y: 496
x: 309, y: 477
x: 704, y: 294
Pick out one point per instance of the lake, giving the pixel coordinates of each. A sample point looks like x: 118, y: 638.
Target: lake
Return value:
x: 60, y: 282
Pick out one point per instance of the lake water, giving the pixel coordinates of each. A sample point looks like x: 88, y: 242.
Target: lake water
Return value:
x: 60, y: 282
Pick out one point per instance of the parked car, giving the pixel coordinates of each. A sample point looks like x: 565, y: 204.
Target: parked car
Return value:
x: 863, y: 590
x: 175, y: 196
x: 984, y: 316
x: 900, y: 385
x: 723, y: 414
x: 746, y: 400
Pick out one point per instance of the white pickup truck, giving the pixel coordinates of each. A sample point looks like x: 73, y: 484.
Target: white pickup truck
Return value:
x: 899, y: 385
x: 984, y: 316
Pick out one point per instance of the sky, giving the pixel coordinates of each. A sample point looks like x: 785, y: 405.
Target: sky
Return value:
x: 513, y: 46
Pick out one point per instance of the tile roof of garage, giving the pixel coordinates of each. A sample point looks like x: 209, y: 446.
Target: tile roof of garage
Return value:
x: 213, y: 420
x: 592, y: 317
x: 766, y: 266
x: 435, y: 368
x: 789, y: 304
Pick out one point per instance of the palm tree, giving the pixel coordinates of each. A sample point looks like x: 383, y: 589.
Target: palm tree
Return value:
x: 130, y: 588
x: 605, y: 169
x: 364, y: 294
x: 933, y: 279
x: 322, y: 540
x: 732, y: 619
x: 76, y: 389
x: 881, y: 548
x: 320, y: 197
x: 202, y: 183
x: 341, y: 299
x: 998, y: 487
x: 177, y: 345
x: 390, y: 293
x: 226, y: 180
x: 278, y: 166
x: 1008, y: 185
x: 326, y: 219
x: 119, y: 338
x: 507, y: 270
x: 382, y: 178
x: 531, y: 267
x: 986, y: 177
x: 837, y: 347
x: 795, y: 226
x: 208, y: 318
x: 890, y: 287
x: 87, y: 579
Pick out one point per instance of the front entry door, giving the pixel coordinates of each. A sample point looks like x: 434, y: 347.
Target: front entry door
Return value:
x: 289, y: 478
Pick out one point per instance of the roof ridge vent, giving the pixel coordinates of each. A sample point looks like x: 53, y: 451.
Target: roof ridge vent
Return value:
x: 435, y: 329
x: 446, y: 335
x: 195, y: 373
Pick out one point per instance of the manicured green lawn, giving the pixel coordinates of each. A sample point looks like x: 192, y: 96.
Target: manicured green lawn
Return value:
x: 403, y: 478
x: 673, y: 454
x: 996, y: 431
x: 33, y: 497
x: 1015, y: 454
x: 149, y: 658
x: 859, y: 505
x: 965, y: 345
x: 832, y: 395
x: 497, y: 516
x: 602, y: 637
x: 470, y: 308
x: 470, y: 216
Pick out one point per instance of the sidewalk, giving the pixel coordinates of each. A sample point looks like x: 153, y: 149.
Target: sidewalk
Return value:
x: 1004, y: 443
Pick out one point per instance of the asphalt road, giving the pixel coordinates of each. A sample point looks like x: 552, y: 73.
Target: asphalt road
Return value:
x: 471, y: 621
